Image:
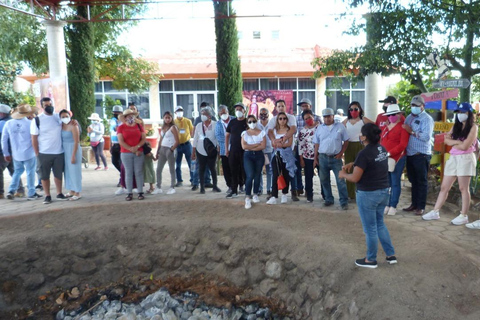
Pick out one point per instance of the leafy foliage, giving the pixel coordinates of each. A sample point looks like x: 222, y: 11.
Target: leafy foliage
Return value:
x: 8, y: 72
x: 228, y: 63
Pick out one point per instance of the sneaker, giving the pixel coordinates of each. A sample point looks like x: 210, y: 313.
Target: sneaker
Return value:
x: 229, y: 190
x: 473, y: 225
x: 98, y: 168
x: 179, y: 184
x: 344, y: 207
x: 391, y: 260
x: 47, y: 200
x: 157, y: 191
x: 364, y: 264
x: 392, y: 211
x: 461, y: 219
x: 195, y: 187
x: 34, y: 197
x: 284, y: 198
x: 216, y: 189
x: 61, y: 196
x: 202, y: 190
x: 255, y: 199
x: 120, y: 191
x: 171, y: 191
x: 432, y: 215
x: 10, y: 196
x: 231, y: 195
x: 39, y: 186
x: 248, y: 203
x: 106, y: 168
x: 327, y: 204
x: 386, y: 210
x: 272, y: 200
x: 309, y: 200
x: 208, y: 185
x: 241, y: 190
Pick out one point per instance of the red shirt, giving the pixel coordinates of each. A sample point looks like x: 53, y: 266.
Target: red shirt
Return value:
x: 395, y: 140
x: 131, y: 136
x: 382, y: 120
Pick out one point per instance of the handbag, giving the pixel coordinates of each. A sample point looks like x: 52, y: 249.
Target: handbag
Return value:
x: 281, y: 184
x: 208, y: 145
x: 391, y: 164
x: 94, y: 143
x: 146, y: 147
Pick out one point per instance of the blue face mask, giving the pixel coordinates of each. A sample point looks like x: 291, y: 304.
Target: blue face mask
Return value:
x: 416, y: 110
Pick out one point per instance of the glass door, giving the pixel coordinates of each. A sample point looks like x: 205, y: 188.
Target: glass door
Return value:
x: 187, y: 101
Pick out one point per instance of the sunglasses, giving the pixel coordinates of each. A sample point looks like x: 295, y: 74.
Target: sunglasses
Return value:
x: 282, y: 118
x: 252, y: 122
x: 353, y: 109
x: 264, y: 114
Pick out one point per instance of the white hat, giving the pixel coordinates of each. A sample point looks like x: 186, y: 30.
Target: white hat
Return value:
x: 95, y: 116
x: 4, y: 108
x: 117, y: 109
x: 179, y: 108
x: 392, y: 109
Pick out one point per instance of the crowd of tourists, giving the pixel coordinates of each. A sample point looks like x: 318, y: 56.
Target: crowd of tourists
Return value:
x: 367, y: 157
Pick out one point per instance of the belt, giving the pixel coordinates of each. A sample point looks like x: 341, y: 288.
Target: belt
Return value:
x: 182, y: 144
x: 328, y: 155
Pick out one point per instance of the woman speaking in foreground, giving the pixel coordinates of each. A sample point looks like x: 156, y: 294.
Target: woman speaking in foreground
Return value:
x: 370, y: 173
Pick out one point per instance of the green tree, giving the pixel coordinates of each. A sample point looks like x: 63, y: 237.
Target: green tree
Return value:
x: 228, y: 64
x: 400, y: 36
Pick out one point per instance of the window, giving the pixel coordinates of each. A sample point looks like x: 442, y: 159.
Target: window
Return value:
x: 250, y: 84
x: 340, y: 100
x: 194, y: 85
x: 269, y: 84
x: 256, y: 35
x: 275, y: 34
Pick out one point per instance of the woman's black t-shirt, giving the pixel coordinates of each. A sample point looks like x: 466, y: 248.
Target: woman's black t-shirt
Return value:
x: 235, y: 128
x: 374, y: 162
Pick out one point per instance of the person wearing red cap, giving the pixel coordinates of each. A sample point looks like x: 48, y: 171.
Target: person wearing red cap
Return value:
x: 382, y: 119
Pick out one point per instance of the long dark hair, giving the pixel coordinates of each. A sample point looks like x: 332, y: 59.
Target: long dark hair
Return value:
x: 360, y: 109
x: 277, y: 125
x: 459, y: 132
x: 372, y: 132
x: 168, y: 113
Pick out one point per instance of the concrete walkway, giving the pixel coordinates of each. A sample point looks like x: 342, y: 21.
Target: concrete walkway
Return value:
x: 99, y: 188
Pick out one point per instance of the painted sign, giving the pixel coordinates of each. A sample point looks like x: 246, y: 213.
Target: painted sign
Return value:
x: 254, y: 100
x: 54, y: 88
x: 442, y: 126
x: 439, y: 95
x: 452, y: 83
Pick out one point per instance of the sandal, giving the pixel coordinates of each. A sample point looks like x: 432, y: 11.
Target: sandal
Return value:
x: 75, y: 198
x: 149, y: 191
x: 140, y: 196
x: 129, y: 197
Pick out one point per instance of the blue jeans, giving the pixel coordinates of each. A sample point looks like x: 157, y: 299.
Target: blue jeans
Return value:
x: 330, y: 163
x: 395, y: 182
x: 21, y: 166
x: 196, y: 175
x: 269, y: 171
x: 184, y: 149
x: 253, y: 163
x: 417, y: 170
x: 297, y: 183
x: 371, y: 205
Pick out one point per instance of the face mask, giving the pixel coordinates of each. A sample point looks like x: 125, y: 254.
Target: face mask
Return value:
x: 252, y: 125
x: 393, y: 119
x: 224, y: 116
x: 94, y: 121
x: 309, y: 122
x: 354, y: 114
x: 130, y: 120
x: 239, y: 114
x: 115, y: 116
x: 179, y: 114
x: 462, y: 117
x: 263, y: 116
x: 66, y: 120
x: 416, y: 110
x: 49, y: 109
x: 204, y: 118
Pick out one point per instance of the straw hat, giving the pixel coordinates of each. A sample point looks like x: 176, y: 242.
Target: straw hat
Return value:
x: 23, y: 110
x: 127, y: 113
x: 392, y: 109
x: 95, y: 116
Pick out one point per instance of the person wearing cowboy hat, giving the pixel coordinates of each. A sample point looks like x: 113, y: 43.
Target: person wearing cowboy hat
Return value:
x: 17, y: 148
x: 131, y: 137
x: 95, y: 131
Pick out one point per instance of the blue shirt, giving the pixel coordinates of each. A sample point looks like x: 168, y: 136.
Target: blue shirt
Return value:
x: 16, y: 133
x: 114, y: 123
x: 220, y: 128
x: 330, y: 138
x: 420, y: 142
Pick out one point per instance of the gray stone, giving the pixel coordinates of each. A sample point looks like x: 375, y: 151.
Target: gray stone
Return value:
x: 53, y: 268
x: 266, y: 286
x: 84, y: 267
x: 251, y: 308
x: 33, y: 281
x: 123, y: 251
x: 273, y: 269
x: 255, y: 273
x: 233, y: 257
x: 239, y: 277
x: 225, y: 242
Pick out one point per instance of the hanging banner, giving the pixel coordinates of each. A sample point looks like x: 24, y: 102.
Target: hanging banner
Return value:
x: 54, y: 88
x: 255, y: 100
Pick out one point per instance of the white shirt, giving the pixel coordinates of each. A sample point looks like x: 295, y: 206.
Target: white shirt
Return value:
x: 200, y: 136
x: 49, y: 135
x: 253, y: 139
x: 168, y: 139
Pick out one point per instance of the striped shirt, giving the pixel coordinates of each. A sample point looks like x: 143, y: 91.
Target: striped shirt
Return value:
x: 420, y: 142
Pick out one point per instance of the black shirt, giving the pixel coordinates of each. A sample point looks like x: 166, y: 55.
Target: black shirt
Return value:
x: 235, y: 128
x: 374, y: 162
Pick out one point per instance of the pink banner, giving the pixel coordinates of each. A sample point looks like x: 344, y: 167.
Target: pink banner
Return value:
x: 254, y: 100
x: 54, y: 88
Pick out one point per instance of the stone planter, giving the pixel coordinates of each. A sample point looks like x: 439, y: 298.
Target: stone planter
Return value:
x: 107, y: 144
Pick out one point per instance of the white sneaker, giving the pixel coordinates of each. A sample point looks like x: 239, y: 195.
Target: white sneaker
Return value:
x: 392, y: 211
x: 284, y: 198
x: 171, y: 191
x: 432, y: 215
x: 120, y: 191
x: 255, y: 199
x: 272, y: 200
x: 473, y: 225
x: 157, y: 191
x: 248, y: 203
x: 386, y: 210
x: 461, y: 219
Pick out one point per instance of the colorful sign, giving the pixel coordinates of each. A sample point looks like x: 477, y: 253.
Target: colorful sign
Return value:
x: 442, y: 126
x: 254, y: 100
x: 54, y: 88
x: 452, y: 83
x: 439, y: 95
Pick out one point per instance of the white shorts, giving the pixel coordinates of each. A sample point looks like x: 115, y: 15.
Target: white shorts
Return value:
x: 461, y: 165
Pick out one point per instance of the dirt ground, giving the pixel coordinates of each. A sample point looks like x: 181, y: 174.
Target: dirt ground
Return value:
x: 434, y: 278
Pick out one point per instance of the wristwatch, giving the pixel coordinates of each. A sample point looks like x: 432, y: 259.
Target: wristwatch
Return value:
x: 413, y: 133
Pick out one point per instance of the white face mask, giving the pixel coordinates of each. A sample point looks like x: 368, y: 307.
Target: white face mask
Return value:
x: 66, y: 120
x: 204, y: 118
x: 224, y: 116
x: 239, y: 114
x: 180, y: 114
x: 462, y: 117
x: 252, y: 125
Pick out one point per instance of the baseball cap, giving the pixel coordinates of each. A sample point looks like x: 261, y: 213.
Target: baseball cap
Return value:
x: 464, y: 107
x: 117, y: 109
x: 239, y: 104
x: 418, y: 101
x: 179, y: 108
x: 389, y: 99
x: 304, y: 100
x: 4, y: 108
x: 327, y: 112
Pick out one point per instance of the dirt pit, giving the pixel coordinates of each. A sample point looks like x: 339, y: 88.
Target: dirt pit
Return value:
x: 302, y: 259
